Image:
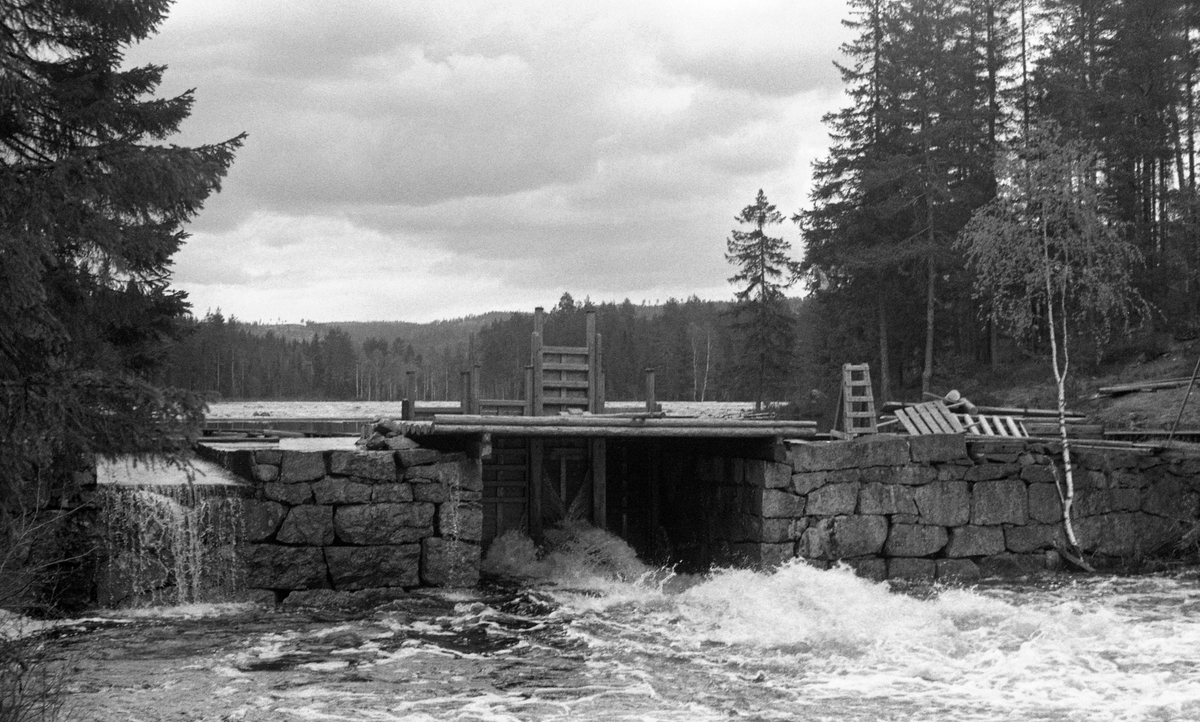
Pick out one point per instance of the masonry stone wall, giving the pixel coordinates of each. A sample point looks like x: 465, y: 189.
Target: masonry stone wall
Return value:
x: 353, y: 520
x: 943, y: 507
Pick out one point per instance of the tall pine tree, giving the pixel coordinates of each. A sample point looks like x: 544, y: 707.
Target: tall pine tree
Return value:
x: 92, y: 207
x: 761, y: 317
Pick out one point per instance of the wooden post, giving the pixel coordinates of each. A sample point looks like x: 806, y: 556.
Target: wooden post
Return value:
x: 536, y: 353
x: 593, y: 365
x: 651, y: 404
x: 474, y: 396
x: 600, y: 394
x: 535, y: 489
x: 599, y: 483
x: 529, y: 391
x: 464, y: 391
x: 407, y: 410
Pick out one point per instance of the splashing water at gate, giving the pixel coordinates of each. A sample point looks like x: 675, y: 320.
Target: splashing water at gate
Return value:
x: 803, y: 642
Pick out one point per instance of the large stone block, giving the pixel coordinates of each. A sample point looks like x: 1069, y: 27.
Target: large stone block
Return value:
x: 768, y: 474
x: 915, y: 540
x: 1038, y: 474
x: 855, y: 536
x: 266, y: 472
x: 1125, y: 534
x: 999, y: 502
x: 460, y: 521
x: 396, y: 565
x: 806, y: 482
x: 302, y: 466
x: 341, y: 491
x: 1031, y: 538
x: 777, y: 504
x: 874, y: 450
x: 904, y: 475
x: 449, y: 563
x: 261, y: 519
x: 395, y: 492
x: 957, y: 571
x: 1013, y: 565
x: 376, y: 524
x: 833, y: 499
x: 944, y: 503
x: 873, y: 568
x: 988, y: 472
x: 816, y: 542
x: 273, y: 457
x: 876, y: 498
x: 291, y: 494
x: 1045, y: 506
x: 416, y: 457
x: 910, y: 569
x: 937, y: 447
x: 428, y: 489
x: 269, y: 566
x: 373, y: 465
x: 974, y: 541
x: 1171, y: 497
x: 310, y: 524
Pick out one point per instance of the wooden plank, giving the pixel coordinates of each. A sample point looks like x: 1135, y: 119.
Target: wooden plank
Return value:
x: 987, y: 427
x: 645, y: 421
x: 918, y: 422
x: 1011, y: 423
x: 930, y: 419
x: 906, y: 422
x: 556, y: 366
x: 568, y: 431
x: 552, y: 383
x: 566, y: 351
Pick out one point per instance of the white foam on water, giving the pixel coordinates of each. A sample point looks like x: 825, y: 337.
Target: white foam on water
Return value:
x: 1103, y: 648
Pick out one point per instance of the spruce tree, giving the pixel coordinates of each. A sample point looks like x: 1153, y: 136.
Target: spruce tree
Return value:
x: 92, y: 207
x: 762, y: 320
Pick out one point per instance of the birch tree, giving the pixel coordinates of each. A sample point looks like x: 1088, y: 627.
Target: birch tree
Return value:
x: 1050, y: 261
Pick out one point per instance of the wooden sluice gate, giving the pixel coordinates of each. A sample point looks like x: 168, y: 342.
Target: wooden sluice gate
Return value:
x: 564, y: 453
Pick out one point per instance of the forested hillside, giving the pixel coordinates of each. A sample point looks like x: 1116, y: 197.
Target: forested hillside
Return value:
x: 689, y: 344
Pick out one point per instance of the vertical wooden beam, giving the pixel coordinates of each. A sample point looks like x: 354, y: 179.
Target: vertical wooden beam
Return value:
x: 600, y: 393
x: 593, y: 365
x: 535, y: 489
x: 651, y: 403
x: 535, y: 351
x: 529, y: 391
x: 474, y: 396
x: 464, y: 391
x: 599, y: 483
x: 408, y: 406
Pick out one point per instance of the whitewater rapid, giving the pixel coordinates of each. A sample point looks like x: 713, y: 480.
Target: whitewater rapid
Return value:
x: 585, y: 631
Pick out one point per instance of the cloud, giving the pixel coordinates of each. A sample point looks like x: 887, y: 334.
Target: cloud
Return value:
x: 517, y: 146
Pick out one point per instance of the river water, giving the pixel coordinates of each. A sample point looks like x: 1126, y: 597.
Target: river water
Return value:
x: 587, y: 632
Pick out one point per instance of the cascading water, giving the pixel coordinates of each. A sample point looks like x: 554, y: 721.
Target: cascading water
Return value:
x: 168, y: 543
x: 584, y: 630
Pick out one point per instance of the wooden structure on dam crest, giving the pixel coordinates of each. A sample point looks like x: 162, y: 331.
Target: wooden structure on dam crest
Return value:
x: 561, y: 453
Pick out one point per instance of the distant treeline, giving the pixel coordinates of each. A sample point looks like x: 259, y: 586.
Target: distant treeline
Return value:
x: 688, y: 343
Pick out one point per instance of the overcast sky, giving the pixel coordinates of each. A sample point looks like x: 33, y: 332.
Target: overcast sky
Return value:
x: 431, y: 159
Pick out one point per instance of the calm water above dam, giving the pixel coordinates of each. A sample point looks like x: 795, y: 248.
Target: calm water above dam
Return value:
x: 591, y: 634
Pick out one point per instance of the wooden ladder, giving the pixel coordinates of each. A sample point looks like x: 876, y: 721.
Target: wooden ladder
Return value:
x: 858, y: 403
x: 566, y: 379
